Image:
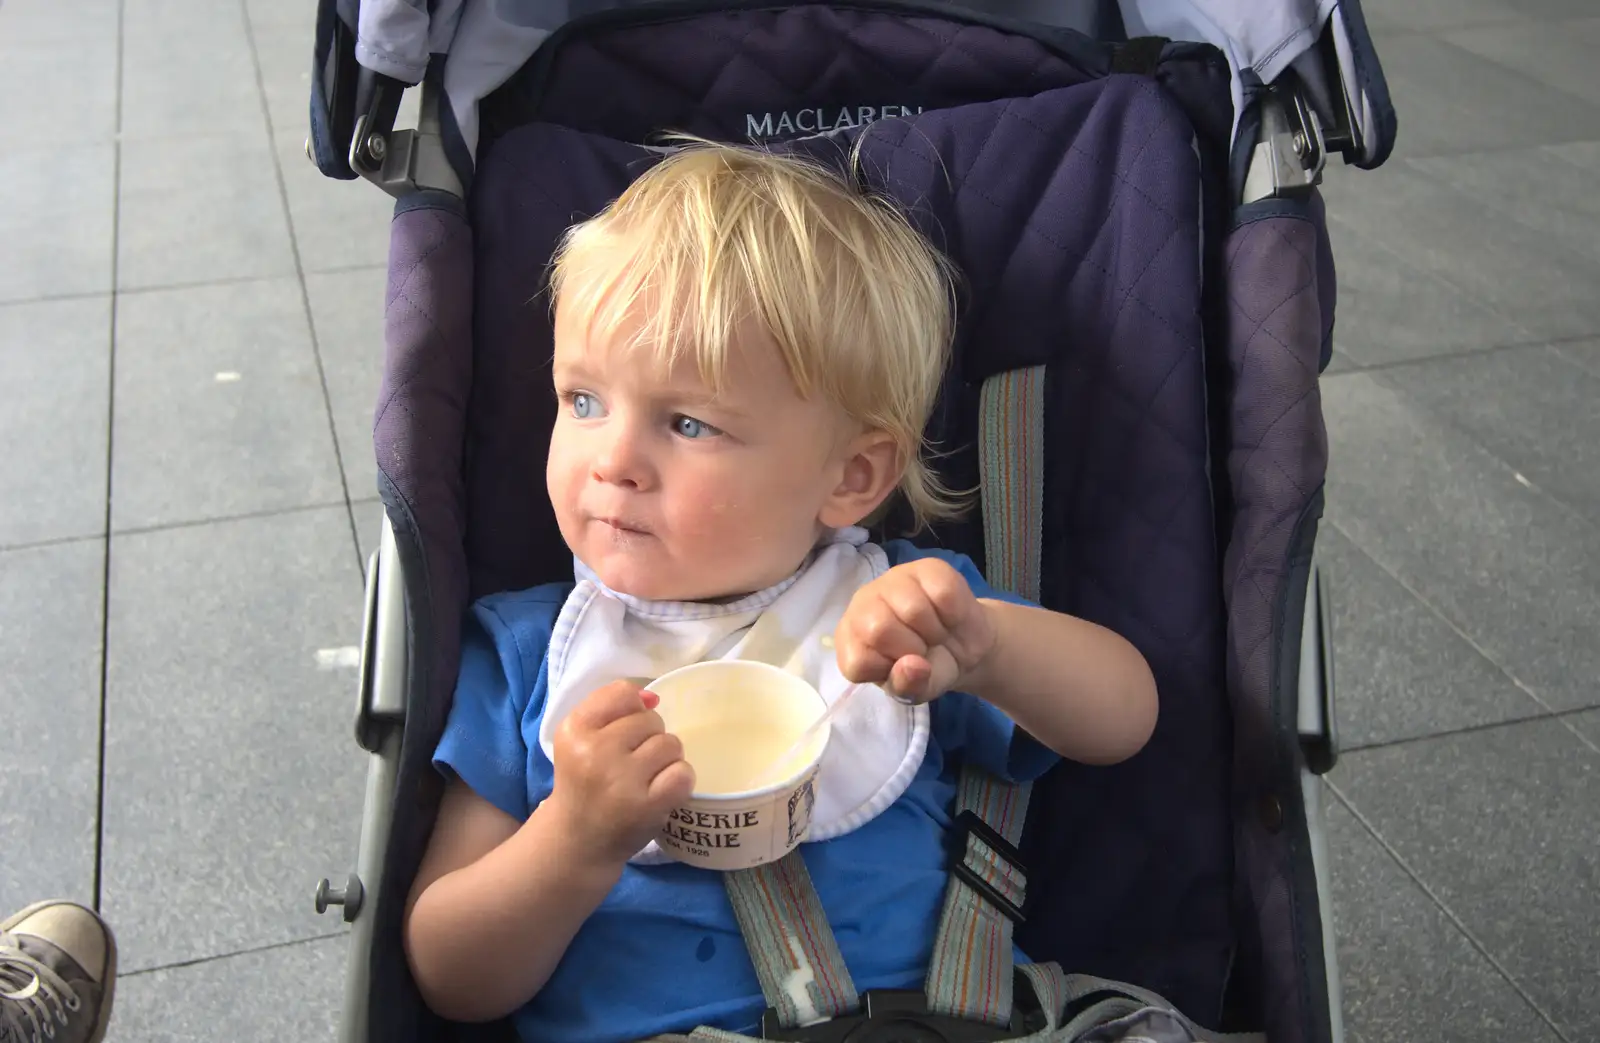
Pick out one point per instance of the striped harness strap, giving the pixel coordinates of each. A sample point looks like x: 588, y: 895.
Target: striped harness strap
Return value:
x: 803, y: 976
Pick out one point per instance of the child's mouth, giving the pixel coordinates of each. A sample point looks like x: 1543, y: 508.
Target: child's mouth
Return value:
x: 622, y: 528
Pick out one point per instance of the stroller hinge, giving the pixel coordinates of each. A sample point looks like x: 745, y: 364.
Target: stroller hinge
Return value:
x: 402, y: 161
x: 1290, y: 150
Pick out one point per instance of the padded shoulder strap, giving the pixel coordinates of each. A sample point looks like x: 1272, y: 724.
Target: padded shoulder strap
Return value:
x: 803, y: 975
x: 970, y: 975
x: 1011, y: 475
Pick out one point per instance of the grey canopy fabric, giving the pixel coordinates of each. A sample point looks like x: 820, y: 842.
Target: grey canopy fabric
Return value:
x: 396, y: 37
x: 486, y: 41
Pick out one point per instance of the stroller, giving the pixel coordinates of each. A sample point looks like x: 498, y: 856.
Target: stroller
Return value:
x: 1130, y: 193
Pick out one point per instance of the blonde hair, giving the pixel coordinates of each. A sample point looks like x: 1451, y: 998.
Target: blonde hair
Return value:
x: 859, y: 303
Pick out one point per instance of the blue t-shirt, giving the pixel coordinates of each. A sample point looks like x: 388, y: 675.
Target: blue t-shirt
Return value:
x: 663, y: 952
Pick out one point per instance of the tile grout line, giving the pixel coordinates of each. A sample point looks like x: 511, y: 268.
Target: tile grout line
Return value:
x: 300, y: 277
x: 1473, y: 729
x: 1566, y: 722
x: 1409, y: 267
x: 251, y: 951
x: 1427, y: 603
x: 111, y: 437
x: 53, y: 541
x: 1516, y: 70
x: 192, y: 523
x: 134, y: 291
x: 270, y: 512
x: 1395, y: 30
x: 1564, y: 350
x: 1445, y: 420
x: 1449, y: 913
x: 1450, y: 152
x: 1465, y: 353
x: 1442, y: 275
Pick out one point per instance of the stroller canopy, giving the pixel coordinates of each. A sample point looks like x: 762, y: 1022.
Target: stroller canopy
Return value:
x: 483, y: 42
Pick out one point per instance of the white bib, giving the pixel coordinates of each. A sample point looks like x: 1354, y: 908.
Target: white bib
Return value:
x: 877, y: 743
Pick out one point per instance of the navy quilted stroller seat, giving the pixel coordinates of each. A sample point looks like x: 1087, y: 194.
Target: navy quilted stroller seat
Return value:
x: 1135, y: 220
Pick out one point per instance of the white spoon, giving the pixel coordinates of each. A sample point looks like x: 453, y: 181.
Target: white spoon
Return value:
x: 810, y: 733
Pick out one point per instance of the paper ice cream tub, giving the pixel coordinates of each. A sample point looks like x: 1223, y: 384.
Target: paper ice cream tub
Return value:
x: 734, y: 718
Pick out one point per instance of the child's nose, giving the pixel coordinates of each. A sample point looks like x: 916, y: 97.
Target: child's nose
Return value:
x: 621, y: 460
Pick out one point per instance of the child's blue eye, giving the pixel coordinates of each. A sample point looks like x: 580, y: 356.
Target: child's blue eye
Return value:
x: 689, y: 427
x: 584, y: 406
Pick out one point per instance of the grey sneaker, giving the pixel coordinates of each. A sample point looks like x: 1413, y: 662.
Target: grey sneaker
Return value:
x: 58, y: 966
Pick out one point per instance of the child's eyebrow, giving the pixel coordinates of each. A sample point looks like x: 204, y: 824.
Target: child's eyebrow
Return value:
x: 567, y: 370
x: 700, y: 398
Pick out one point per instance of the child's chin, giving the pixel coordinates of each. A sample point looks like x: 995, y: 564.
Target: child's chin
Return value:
x: 637, y: 572
x: 638, y: 582
x: 648, y: 587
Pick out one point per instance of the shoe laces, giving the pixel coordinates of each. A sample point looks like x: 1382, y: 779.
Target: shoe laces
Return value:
x: 34, y: 1000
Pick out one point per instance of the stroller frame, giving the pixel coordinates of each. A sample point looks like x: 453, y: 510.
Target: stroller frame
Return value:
x: 1281, y: 154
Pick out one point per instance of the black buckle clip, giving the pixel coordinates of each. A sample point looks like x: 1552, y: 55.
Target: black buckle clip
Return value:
x: 902, y: 1016
x: 970, y: 823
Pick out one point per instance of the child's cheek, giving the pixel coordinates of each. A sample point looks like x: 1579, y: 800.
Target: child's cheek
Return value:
x: 709, y: 517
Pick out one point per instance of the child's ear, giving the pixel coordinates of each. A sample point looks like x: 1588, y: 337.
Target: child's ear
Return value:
x: 871, y: 471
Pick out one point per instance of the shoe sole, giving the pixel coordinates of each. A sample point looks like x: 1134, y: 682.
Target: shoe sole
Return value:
x: 108, y: 987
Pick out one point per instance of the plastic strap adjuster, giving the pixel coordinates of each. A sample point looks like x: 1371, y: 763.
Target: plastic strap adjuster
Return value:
x: 970, y: 824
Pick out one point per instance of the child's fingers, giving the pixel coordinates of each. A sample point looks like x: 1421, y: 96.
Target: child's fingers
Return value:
x: 875, y: 624
x: 671, y: 786
x: 948, y: 593
x: 945, y: 671
x: 608, y: 703
x: 920, y: 679
x: 910, y: 678
x: 656, y: 754
x: 627, y: 734
x: 915, y: 610
x: 860, y: 663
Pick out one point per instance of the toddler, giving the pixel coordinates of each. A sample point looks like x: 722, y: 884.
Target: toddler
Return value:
x: 747, y: 350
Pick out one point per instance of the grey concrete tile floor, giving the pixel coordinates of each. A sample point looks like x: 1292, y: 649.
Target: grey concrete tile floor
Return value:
x: 184, y: 301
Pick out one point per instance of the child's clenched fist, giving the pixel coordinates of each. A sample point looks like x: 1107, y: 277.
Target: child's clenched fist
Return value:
x: 917, y: 630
